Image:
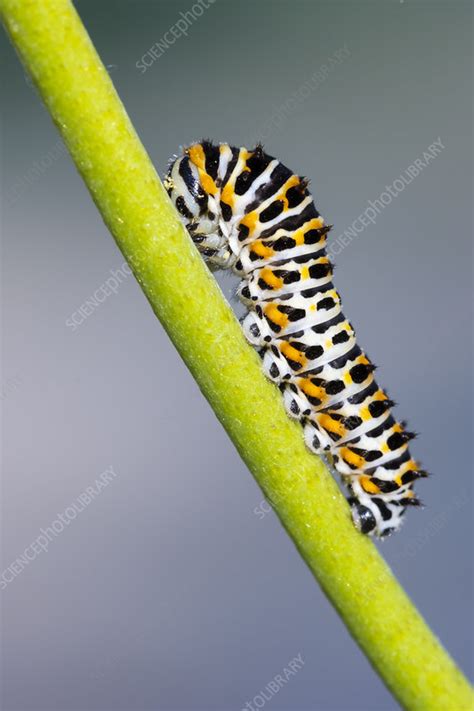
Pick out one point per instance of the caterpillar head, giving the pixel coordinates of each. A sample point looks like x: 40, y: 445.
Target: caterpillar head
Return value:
x: 198, y: 209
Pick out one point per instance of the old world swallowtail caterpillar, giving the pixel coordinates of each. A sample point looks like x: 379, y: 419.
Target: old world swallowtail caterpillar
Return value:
x: 247, y: 212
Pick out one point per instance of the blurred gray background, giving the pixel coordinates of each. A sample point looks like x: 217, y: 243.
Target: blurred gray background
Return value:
x: 168, y: 591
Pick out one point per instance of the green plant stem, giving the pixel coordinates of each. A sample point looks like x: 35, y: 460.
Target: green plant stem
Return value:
x: 77, y: 90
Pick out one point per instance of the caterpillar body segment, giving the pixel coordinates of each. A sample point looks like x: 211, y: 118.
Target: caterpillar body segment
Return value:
x: 248, y: 212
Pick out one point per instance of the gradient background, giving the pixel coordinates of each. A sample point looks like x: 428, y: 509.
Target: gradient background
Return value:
x: 168, y: 592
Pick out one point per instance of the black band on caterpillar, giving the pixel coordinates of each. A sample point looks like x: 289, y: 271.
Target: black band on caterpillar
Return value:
x: 247, y: 212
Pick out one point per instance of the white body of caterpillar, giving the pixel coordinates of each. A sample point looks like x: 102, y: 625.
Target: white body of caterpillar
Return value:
x: 246, y: 211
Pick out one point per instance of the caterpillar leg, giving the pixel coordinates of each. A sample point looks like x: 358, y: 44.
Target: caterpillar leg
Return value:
x: 315, y: 437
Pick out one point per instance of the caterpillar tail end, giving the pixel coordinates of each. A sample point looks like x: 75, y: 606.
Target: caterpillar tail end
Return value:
x: 367, y: 520
x: 363, y: 518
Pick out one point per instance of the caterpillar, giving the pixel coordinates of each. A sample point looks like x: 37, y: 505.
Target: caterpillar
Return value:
x: 248, y: 212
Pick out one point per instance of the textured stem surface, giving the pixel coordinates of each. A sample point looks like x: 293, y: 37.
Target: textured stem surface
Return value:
x: 82, y: 101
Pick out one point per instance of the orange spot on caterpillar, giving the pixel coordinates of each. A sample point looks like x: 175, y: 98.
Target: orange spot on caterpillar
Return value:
x: 292, y: 353
x: 273, y: 313
x: 269, y: 278
x: 262, y: 250
x: 368, y: 485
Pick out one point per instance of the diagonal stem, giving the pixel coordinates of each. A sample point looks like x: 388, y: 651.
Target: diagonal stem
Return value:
x: 77, y: 90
